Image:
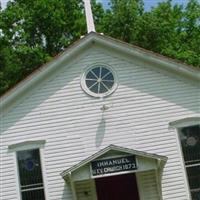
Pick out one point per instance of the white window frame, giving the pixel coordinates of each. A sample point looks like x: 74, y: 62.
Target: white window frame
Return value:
x: 181, y: 123
x: 29, y: 145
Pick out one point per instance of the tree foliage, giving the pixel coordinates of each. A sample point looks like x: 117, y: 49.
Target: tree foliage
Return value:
x: 168, y: 29
x: 122, y: 19
x: 31, y: 32
x: 34, y: 31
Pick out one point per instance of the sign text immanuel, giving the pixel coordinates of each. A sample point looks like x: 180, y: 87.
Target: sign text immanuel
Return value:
x: 113, y: 165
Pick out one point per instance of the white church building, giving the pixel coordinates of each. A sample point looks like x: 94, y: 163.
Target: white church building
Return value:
x: 104, y: 120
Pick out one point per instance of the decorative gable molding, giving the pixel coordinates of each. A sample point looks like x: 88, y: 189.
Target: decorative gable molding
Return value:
x: 100, y: 153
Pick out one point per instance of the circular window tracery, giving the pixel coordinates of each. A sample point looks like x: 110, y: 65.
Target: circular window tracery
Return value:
x: 99, y: 81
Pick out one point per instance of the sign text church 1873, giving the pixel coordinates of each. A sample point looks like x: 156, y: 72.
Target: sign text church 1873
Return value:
x: 113, y: 165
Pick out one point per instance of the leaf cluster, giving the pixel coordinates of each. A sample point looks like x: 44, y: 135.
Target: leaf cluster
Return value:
x: 31, y: 32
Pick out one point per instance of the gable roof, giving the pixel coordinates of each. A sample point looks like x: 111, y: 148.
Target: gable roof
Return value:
x: 95, y: 38
x: 114, y: 148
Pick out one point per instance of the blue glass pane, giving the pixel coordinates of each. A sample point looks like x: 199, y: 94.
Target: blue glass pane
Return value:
x: 89, y: 83
x: 104, y: 71
x: 90, y: 75
x: 109, y: 77
x: 94, y: 88
x: 102, y: 89
x: 108, y: 84
x: 96, y: 71
x: 30, y: 164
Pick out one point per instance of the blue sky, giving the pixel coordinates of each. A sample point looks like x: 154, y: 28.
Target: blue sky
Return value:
x: 152, y: 3
x: 3, y: 3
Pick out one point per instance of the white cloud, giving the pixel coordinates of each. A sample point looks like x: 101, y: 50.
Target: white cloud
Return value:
x: 3, y: 3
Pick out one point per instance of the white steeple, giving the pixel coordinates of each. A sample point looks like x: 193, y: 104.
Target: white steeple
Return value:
x: 89, y: 16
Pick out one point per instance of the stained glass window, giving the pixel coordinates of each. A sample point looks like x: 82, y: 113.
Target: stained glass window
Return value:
x: 30, y: 174
x: 190, y: 142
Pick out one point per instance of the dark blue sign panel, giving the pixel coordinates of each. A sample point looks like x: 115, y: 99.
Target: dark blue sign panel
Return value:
x: 113, y: 165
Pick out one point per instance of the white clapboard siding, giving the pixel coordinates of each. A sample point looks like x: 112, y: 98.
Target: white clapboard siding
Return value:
x: 147, y: 185
x: 74, y: 127
x: 8, y: 189
x: 84, y: 190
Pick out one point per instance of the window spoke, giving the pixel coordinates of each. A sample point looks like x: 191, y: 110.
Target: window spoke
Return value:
x: 99, y: 88
x: 94, y: 74
x: 92, y: 85
x: 100, y: 72
x: 105, y: 86
x: 91, y: 75
x: 106, y: 75
x: 90, y: 79
x: 108, y: 80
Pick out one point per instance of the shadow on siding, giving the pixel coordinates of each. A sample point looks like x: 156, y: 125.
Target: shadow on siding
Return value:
x: 100, y: 132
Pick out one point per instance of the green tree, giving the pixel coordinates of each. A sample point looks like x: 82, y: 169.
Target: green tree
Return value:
x: 121, y: 20
x: 51, y: 25
x: 31, y: 32
x: 168, y: 29
x: 173, y: 31
x: 190, y: 34
x: 98, y: 14
x: 159, y: 28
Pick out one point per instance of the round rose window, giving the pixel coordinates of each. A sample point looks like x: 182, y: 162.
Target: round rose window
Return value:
x: 99, y: 81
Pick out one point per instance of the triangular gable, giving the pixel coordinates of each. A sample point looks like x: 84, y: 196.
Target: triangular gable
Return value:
x: 73, y: 50
x: 108, y: 149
